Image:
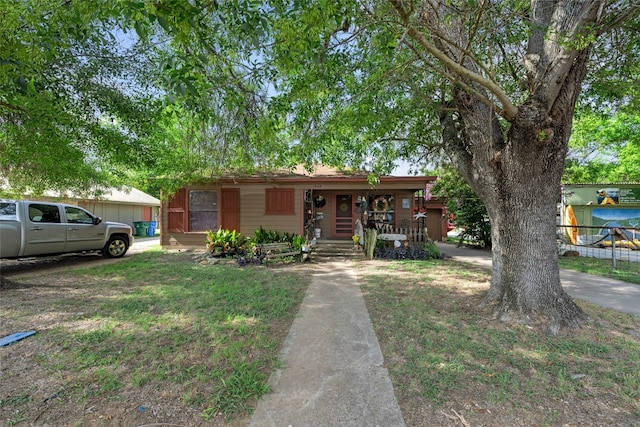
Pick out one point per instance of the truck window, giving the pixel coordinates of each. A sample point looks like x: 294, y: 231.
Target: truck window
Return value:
x: 44, y: 213
x: 8, y: 211
x: 77, y: 216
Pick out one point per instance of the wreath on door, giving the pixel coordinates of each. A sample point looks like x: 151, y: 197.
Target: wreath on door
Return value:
x: 381, y: 204
x: 319, y: 202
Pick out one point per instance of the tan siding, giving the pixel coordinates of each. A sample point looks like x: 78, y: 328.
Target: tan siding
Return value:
x: 252, y: 212
x: 116, y: 212
x: 189, y: 240
x: 252, y: 207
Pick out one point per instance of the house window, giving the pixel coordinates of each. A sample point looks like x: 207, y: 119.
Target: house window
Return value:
x: 203, y: 210
x: 279, y: 201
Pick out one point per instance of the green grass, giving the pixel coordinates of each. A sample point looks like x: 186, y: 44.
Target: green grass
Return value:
x: 626, y: 271
x: 441, y: 348
x: 209, y: 336
x: 162, y: 320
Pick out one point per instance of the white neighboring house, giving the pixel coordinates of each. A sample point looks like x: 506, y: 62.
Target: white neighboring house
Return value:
x: 127, y: 206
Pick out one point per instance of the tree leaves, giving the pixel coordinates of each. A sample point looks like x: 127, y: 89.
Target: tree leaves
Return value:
x: 208, y: 86
x: 604, y: 148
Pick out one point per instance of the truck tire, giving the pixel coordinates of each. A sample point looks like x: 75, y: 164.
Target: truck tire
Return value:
x: 116, y: 247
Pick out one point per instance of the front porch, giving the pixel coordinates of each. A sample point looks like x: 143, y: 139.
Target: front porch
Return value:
x: 339, y: 214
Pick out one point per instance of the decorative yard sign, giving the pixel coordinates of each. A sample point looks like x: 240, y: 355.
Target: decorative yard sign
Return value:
x: 590, y: 213
x: 605, y: 194
x: 629, y: 195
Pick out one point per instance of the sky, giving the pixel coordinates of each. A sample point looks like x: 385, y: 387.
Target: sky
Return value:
x: 402, y: 169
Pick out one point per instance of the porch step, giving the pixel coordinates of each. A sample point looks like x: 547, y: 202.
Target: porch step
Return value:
x: 344, y: 249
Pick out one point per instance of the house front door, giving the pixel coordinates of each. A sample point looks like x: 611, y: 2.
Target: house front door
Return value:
x: 343, y: 216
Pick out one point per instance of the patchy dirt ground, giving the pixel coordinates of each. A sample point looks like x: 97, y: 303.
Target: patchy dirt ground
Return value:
x: 47, y: 393
x: 469, y: 403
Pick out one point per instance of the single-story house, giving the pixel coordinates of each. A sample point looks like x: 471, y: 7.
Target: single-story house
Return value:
x: 590, y: 211
x: 325, y: 203
x: 127, y: 206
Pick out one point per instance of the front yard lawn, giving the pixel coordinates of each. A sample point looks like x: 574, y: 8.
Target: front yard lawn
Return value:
x: 154, y: 338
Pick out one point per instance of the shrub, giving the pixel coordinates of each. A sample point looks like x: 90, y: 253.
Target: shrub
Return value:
x: 224, y: 241
x: 270, y: 236
x: 410, y: 252
x: 298, y: 241
x: 432, y: 250
x: 262, y: 236
x: 470, y: 214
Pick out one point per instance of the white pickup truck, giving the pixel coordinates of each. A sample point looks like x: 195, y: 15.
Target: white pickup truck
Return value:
x: 35, y: 228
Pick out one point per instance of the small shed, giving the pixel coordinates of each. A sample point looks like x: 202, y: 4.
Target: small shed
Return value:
x: 324, y: 203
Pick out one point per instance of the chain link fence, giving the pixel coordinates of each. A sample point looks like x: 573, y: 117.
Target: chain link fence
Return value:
x: 619, y: 245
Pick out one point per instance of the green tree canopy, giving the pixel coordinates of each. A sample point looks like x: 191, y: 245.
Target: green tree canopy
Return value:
x: 93, y: 94
x: 74, y: 104
x: 604, y: 148
x: 491, y: 84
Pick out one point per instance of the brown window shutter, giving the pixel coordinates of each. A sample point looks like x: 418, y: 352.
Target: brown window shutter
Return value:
x: 177, y: 212
x: 280, y: 201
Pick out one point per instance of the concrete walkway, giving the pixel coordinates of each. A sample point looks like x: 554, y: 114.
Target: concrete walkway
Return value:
x: 610, y: 293
x: 332, y: 372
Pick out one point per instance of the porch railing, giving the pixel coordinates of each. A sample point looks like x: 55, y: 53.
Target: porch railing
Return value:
x: 414, y: 235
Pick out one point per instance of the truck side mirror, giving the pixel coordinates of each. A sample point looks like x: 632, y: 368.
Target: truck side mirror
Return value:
x: 97, y: 220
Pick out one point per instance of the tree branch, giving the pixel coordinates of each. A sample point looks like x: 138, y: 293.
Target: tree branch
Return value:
x: 452, y: 78
x: 622, y: 17
x: 509, y: 110
x: 13, y: 107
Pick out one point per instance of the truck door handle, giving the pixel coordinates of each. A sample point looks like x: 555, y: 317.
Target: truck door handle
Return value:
x: 73, y: 229
x: 35, y: 228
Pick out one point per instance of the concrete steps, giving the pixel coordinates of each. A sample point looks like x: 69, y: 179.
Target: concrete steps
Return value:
x: 336, y: 249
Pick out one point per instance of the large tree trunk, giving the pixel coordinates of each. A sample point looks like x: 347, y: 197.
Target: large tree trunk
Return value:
x: 528, y: 175
x: 513, y: 156
x: 517, y: 173
x: 519, y: 183
x: 518, y: 179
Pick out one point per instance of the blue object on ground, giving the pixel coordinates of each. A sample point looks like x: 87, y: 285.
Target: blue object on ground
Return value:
x: 151, y: 229
x: 9, y: 339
